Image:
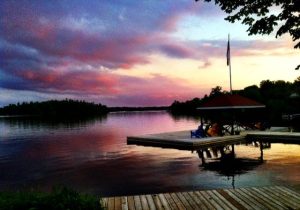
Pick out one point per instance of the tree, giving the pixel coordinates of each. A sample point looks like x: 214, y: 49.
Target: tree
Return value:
x: 261, y: 18
x: 216, y: 91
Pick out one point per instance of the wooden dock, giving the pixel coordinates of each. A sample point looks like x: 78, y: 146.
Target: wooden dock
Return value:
x: 276, y: 197
x: 182, y: 139
x: 274, y: 136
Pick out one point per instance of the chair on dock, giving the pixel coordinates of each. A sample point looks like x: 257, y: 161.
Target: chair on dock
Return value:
x: 199, y: 133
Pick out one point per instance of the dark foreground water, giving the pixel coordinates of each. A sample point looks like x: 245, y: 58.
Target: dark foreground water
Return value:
x: 92, y: 156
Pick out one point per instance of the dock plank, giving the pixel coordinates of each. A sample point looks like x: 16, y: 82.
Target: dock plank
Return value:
x: 179, y: 204
x: 207, y: 196
x: 171, y: 202
x: 130, y: 200
x: 273, y: 197
x: 267, y: 198
x: 289, y: 192
x: 198, y: 202
x: 137, y: 202
x: 144, y: 202
x: 259, y: 199
x: 238, y: 199
x: 184, y: 200
x: 118, y: 203
x: 111, y: 203
x: 191, y: 201
x: 124, y: 203
x: 231, y: 200
x: 150, y: 202
x: 164, y: 202
x: 276, y: 196
x: 157, y: 202
x: 223, y: 200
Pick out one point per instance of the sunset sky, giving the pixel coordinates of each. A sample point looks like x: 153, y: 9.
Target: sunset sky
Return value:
x: 129, y: 52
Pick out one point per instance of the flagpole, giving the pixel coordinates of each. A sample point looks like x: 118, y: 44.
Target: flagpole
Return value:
x: 229, y: 64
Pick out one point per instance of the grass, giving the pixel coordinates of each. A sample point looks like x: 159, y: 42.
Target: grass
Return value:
x: 61, y: 198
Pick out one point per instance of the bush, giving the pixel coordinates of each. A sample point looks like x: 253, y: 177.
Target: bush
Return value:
x: 60, y: 198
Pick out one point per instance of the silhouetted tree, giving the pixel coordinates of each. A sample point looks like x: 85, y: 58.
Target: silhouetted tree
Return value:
x: 216, y: 91
x: 262, y: 16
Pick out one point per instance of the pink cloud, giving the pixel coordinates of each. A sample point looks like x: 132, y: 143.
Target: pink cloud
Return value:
x: 70, y: 82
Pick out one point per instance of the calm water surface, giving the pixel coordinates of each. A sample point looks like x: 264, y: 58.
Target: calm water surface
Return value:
x: 92, y: 156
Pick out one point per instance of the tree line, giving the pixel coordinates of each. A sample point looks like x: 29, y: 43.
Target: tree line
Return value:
x: 280, y: 97
x: 55, y: 108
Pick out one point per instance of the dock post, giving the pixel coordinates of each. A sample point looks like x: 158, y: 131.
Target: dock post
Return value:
x: 201, y: 156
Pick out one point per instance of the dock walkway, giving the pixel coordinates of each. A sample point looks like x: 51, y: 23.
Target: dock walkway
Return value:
x: 275, y: 197
x: 182, y: 139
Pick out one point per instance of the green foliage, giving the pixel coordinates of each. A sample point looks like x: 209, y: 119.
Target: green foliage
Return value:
x: 60, y: 198
x: 54, y: 108
x: 261, y: 17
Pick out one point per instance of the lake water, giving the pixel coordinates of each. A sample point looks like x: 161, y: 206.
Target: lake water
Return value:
x: 93, y: 156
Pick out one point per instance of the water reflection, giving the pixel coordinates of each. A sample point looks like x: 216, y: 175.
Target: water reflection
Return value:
x: 92, y: 156
x: 224, y: 161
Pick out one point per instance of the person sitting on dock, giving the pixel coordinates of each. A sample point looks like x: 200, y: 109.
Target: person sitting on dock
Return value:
x: 199, y: 133
x: 215, y: 130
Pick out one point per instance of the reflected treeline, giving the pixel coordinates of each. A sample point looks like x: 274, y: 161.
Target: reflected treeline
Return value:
x: 52, y: 122
x: 223, y: 159
x: 179, y: 116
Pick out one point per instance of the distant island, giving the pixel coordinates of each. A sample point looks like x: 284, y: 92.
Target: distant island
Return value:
x: 55, y: 108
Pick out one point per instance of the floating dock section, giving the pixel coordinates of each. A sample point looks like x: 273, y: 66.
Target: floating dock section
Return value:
x: 182, y: 139
x: 275, y: 197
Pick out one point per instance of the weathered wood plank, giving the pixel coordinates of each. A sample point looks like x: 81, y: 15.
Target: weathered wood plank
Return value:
x: 150, y: 202
x: 104, y: 203
x: 157, y: 202
x: 217, y: 200
x: 178, y: 202
x: 231, y: 200
x: 184, y: 200
x: 189, y: 199
x: 144, y: 202
x: 164, y: 202
x: 111, y: 203
x: 199, y: 201
x: 171, y: 202
x: 287, y: 191
x: 258, y: 200
x: 223, y: 200
x: 284, y: 201
x: 265, y: 199
x: 137, y: 202
x: 124, y: 201
x: 130, y: 200
x: 275, y: 197
x: 250, y: 200
x: 118, y: 203
x: 239, y: 200
x: 210, y: 199
x: 258, y: 204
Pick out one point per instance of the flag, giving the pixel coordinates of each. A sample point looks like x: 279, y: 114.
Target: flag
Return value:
x: 228, y: 52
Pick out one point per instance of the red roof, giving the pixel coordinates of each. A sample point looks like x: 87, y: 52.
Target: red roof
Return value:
x: 230, y: 102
